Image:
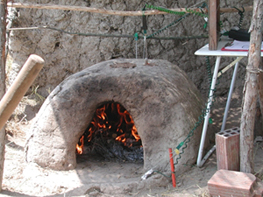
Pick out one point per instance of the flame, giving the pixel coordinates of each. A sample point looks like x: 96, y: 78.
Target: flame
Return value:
x: 79, y: 148
x: 121, y: 138
x: 135, y: 133
x: 114, y: 119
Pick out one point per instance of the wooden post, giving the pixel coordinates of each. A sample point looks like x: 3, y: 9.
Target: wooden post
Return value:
x: 260, y: 92
x: 213, y: 23
x: 3, y: 8
x: 13, y: 96
x: 250, y: 91
x: 19, y: 87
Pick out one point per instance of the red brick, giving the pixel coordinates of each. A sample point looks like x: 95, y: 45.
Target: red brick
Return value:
x: 227, y: 149
x: 225, y: 183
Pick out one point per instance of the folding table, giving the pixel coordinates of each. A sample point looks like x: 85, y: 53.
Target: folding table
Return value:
x: 204, y: 51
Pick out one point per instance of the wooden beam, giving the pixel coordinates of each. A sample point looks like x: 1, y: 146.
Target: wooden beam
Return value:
x: 94, y: 10
x: 113, y: 12
x: 2, y: 47
x: 231, y: 10
x: 3, y: 13
x: 251, y: 91
x: 213, y: 23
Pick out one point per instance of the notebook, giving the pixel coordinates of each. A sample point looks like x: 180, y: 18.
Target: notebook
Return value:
x: 238, y: 46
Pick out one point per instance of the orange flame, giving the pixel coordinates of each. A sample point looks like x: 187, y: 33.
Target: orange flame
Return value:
x: 102, y: 122
x: 79, y: 148
x: 135, y: 133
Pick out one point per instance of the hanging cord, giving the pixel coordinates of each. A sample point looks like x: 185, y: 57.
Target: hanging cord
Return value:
x: 183, y: 14
x: 208, y: 68
x: 136, y: 44
x: 200, y: 120
x: 144, y: 28
x: 241, y: 14
x: 184, y: 143
x: 205, y: 16
x: 187, y: 10
x: 166, y: 27
x: 106, y: 35
x: 241, y: 18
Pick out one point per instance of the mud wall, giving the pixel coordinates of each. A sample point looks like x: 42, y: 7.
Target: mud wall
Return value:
x: 66, y: 54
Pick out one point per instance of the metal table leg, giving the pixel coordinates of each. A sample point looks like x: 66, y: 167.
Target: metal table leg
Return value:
x: 206, y: 119
x: 229, y: 96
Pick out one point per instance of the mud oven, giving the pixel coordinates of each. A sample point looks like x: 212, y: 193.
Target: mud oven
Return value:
x: 155, y: 103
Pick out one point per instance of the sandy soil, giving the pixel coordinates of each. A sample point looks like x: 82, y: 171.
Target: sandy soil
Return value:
x: 100, y: 178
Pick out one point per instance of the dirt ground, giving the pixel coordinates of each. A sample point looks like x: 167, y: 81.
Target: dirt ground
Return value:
x: 97, y: 178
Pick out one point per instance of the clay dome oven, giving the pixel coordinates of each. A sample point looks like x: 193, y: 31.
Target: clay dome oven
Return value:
x: 163, y: 103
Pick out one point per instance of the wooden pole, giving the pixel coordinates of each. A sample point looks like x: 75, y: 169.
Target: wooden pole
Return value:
x: 19, y: 87
x: 113, y: 12
x: 250, y: 90
x: 3, y: 12
x: 260, y: 92
x: 213, y: 23
x: 3, y: 7
x: 13, y: 96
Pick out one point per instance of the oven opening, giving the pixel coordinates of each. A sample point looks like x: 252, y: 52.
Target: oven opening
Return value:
x: 111, y: 136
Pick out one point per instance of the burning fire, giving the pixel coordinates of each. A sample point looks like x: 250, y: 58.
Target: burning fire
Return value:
x: 79, y: 148
x: 111, y: 121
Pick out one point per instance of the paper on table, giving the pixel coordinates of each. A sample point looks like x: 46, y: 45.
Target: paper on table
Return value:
x: 238, y: 46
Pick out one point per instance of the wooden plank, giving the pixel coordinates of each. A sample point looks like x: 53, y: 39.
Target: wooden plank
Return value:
x: 95, y: 10
x: 230, y: 10
x: 251, y: 91
x: 213, y: 23
x: 113, y: 12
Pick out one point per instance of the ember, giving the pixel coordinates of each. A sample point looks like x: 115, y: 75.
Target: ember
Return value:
x: 112, y: 134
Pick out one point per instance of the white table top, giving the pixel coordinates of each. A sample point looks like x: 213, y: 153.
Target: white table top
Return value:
x: 206, y: 52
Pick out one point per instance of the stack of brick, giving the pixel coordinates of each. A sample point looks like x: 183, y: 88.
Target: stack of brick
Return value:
x: 228, y: 181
